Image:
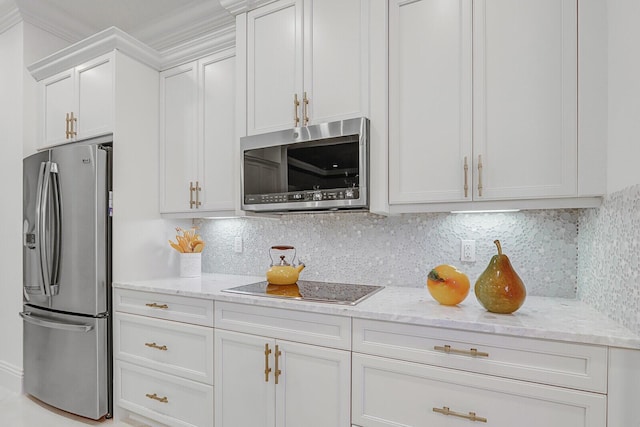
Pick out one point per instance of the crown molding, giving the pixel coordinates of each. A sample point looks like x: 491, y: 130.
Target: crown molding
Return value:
x: 188, y: 24
x: 9, y: 18
x: 236, y: 7
x: 57, y: 23
x: 210, y: 43
x: 91, y: 47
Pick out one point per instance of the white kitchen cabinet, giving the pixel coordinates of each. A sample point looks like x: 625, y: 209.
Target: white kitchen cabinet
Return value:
x: 409, y: 374
x: 163, y: 358
x: 485, y: 107
x: 391, y: 392
x: 78, y: 103
x: 307, y: 63
x: 288, y: 383
x: 197, y: 143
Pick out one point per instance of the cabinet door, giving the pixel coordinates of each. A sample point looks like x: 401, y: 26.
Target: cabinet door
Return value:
x: 243, y: 397
x: 392, y: 392
x: 178, y: 144
x: 336, y: 59
x: 95, y: 97
x: 274, y: 66
x: 57, y: 100
x: 217, y: 157
x: 525, y: 102
x: 314, y: 387
x: 430, y: 101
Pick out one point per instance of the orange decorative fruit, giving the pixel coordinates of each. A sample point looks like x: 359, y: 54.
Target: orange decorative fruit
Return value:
x: 448, y: 285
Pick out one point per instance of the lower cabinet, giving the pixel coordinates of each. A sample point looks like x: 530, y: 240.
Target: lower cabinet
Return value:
x: 286, y: 383
x: 264, y: 380
x: 414, y: 375
x: 163, y: 351
x: 390, y: 392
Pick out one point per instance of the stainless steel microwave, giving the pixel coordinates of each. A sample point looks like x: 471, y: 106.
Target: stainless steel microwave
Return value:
x: 313, y: 168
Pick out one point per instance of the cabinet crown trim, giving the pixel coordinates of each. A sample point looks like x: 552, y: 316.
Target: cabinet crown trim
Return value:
x: 100, y: 43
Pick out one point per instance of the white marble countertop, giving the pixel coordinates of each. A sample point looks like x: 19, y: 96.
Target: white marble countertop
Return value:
x: 539, y: 317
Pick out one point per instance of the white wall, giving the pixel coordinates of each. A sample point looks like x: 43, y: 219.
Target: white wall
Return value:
x: 624, y: 95
x: 11, y: 117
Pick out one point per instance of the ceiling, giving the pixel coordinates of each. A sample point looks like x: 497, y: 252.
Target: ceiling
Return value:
x: 161, y: 24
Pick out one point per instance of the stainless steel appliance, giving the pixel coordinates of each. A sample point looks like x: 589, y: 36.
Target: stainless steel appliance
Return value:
x: 67, y: 278
x: 306, y: 290
x: 319, y: 167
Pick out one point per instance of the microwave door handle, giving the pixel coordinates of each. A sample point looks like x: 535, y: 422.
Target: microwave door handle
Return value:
x: 44, y: 235
x: 57, y: 229
x: 48, y: 323
x: 39, y: 225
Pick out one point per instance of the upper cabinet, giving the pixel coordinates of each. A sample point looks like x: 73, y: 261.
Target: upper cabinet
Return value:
x: 483, y: 105
x: 197, y: 143
x: 77, y: 103
x: 307, y: 62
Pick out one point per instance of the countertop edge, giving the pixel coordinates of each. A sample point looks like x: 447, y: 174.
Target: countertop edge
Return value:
x: 546, y: 318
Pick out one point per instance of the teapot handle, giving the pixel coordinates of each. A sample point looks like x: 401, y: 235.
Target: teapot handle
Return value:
x: 283, y: 248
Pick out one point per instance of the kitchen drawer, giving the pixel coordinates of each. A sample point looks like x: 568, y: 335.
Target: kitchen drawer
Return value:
x: 578, y: 366
x: 172, y: 347
x: 163, y: 306
x: 299, y: 326
x: 162, y: 397
x: 389, y: 392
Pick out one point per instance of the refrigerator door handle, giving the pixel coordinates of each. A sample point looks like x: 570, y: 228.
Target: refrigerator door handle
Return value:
x: 57, y: 236
x: 40, y: 222
x: 47, y: 323
x: 49, y: 262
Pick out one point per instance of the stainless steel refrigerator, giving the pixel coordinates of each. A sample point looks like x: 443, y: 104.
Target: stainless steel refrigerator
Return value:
x: 67, y: 278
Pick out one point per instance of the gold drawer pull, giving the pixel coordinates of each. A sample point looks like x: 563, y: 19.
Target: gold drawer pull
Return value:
x: 471, y: 352
x: 159, y: 399
x: 277, y: 372
x: 267, y: 369
x: 154, y: 345
x: 470, y: 416
x: 155, y: 305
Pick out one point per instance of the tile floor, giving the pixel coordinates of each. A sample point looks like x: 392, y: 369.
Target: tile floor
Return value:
x: 23, y: 411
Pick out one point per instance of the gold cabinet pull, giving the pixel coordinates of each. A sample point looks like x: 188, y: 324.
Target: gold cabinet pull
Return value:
x: 305, y: 101
x: 191, y: 190
x: 470, y: 416
x: 466, y: 178
x: 156, y: 305
x: 480, y: 175
x: 156, y: 346
x: 156, y: 397
x: 471, y: 352
x: 67, y: 131
x: 74, y: 122
x: 198, y: 189
x: 296, y: 104
x: 267, y: 369
x: 277, y: 371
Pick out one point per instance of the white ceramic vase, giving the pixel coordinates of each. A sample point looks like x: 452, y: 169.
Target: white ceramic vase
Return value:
x: 190, y: 264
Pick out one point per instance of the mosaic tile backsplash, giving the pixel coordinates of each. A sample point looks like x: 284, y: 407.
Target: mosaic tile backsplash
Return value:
x: 364, y: 248
x: 609, y: 257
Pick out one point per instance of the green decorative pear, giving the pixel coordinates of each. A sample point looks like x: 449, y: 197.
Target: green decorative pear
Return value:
x: 499, y: 288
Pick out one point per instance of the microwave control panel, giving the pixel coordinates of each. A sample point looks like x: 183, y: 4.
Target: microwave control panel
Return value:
x: 304, y: 196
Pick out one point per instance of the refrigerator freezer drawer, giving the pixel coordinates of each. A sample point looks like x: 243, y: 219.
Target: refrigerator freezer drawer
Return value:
x: 171, y: 400
x: 66, y: 362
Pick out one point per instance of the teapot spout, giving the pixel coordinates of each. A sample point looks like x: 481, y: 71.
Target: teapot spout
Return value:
x: 300, y: 267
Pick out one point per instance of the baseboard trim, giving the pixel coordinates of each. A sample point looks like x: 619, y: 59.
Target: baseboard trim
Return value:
x: 11, y: 377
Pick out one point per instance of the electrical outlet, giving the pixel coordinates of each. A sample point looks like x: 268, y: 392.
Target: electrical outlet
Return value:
x: 468, y: 250
x: 237, y: 244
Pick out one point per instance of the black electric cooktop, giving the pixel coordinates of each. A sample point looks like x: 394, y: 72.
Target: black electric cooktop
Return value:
x: 333, y: 293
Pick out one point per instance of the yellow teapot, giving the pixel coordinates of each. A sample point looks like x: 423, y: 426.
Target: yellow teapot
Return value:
x: 283, y: 273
